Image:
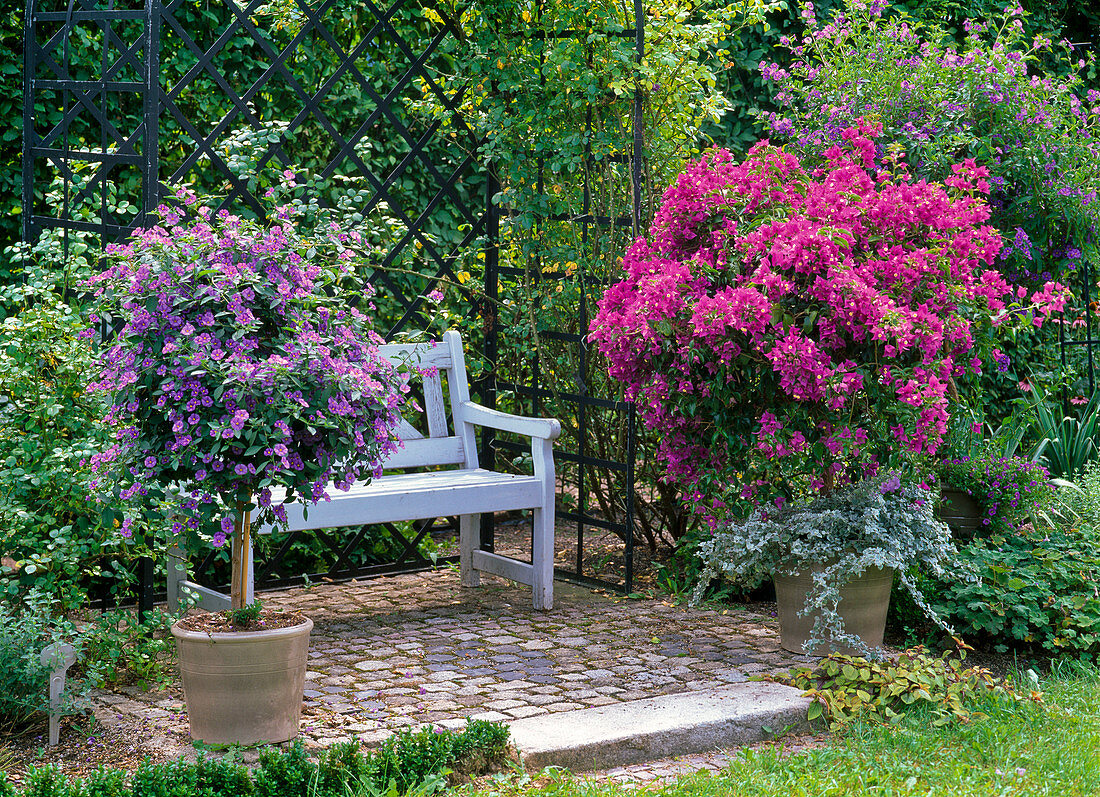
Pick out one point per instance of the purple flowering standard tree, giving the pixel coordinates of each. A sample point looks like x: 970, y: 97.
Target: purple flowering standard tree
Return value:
x: 240, y: 367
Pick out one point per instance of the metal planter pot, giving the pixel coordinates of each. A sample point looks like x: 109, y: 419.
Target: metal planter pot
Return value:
x: 961, y: 513
x: 864, y: 602
x: 243, y: 687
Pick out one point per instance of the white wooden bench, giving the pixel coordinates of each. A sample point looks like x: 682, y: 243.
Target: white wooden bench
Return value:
x: 450, y: 484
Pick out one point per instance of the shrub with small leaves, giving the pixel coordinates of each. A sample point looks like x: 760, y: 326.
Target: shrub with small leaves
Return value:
x: 286, y: 774
x: 171, y: 779
x: 340, y: 768
x: 219, y: 776
x: 104, y: 782
x: 50, y: 535
x: 410, y: 762
x: 48, y: 781
x: 481, y: 745
x: 121, y: 648
x: 24, y: 683
x: 408, y: 757
x: 845, y: 688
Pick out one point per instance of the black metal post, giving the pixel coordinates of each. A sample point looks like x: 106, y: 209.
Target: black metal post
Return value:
x: 29, y: 43
x: 489, y: 320
x: 150, y: 178
x: 628, y: 521
x: 145, y: 586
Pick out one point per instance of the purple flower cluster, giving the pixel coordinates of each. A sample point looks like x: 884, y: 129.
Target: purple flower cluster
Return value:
x: 1006, y: 488
x: 1037, y: 133
x: 240, y: 365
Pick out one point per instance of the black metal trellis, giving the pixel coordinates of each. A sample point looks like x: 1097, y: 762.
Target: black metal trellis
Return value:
x: 582, y: 398
x: 240, y: 68
x: 1086, y: 340
x: 128, y: 39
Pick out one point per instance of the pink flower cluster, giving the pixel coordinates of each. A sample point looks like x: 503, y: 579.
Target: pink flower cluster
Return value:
x: 780, y: 328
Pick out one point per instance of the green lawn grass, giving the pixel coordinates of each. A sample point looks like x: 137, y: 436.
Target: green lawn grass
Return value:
x: 1024, y: 748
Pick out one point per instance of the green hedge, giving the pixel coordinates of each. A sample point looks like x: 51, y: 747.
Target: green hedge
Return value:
x: 407, y: 762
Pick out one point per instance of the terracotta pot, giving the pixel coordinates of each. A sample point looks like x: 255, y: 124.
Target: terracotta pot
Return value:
x: 961, y: 513
x: 243, y: 687
x: 864, y: 602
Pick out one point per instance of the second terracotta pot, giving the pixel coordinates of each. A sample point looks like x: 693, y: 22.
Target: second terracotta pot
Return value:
x: 864, y: 602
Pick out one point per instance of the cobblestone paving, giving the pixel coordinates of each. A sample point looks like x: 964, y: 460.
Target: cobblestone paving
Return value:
x: 419, y: 648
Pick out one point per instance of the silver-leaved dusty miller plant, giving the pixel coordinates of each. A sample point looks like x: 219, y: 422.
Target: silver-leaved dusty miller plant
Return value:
x: 878, y: 522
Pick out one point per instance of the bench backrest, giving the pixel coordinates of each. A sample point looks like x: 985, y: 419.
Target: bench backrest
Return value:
x: 446, y: 443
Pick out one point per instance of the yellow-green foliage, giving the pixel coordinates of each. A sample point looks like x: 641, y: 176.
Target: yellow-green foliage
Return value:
x: 845, y: 688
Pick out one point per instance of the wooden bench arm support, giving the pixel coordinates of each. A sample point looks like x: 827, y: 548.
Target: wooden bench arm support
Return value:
x: 540, y: 573
x: 543, y: 428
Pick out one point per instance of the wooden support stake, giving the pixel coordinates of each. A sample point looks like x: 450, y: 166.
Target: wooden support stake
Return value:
x: 242, y: 545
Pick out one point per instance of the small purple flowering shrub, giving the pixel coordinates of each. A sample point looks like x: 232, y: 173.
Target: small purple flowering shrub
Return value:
x: 788, y: 329
x: 240, y: 366
x: 1007, y: 489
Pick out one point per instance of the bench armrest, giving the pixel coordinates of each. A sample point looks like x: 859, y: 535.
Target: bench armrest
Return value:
x: 542, y: 428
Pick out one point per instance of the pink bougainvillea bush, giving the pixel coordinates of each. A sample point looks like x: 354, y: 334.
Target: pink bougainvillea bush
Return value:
x: 786, y: 330
x: 240, y: 366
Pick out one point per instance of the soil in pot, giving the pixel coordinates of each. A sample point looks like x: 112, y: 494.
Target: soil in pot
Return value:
x: 864, y: 602
x: 243, y: 686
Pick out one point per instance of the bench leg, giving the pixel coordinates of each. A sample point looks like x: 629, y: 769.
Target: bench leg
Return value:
x: 469, y: 540
x: 177, y: 572
x: 542, y: 558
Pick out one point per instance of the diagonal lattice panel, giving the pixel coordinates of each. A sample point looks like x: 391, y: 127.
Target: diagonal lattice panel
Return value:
x: 354, y: 97
x: 87, y: 114
x: 276, y: 67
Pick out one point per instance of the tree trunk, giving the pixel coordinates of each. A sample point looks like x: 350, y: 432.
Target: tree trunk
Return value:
x: 242, y: 544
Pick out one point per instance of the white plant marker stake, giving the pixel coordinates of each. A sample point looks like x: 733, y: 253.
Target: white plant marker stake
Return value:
x: 59, y: 657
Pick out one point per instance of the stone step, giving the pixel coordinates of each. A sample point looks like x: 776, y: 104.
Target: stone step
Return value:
x: 655, y: 728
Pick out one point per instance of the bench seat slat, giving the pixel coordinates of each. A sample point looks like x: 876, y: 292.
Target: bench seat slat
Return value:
x: 414, y: 496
